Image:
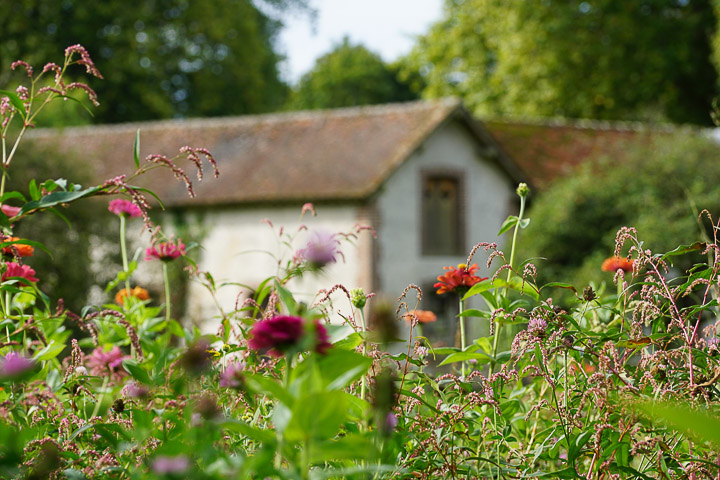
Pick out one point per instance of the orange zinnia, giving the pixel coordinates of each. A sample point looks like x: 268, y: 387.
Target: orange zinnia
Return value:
x: 19, y: 249
x: 458, y: 280
x: 423, y: 316
x: 613, y: 264
x: 137, y: 292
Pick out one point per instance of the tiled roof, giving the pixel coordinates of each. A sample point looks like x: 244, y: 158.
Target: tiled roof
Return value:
x: 547, y: 149
x: 342, y: 154
x: 305, y: 156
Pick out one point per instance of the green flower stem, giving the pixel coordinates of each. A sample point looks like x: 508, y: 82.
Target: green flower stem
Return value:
x: 496, y: 337
x: 461, y: 321
x: 364, y: 351
x: 123, y: 251
x: 167, y: 291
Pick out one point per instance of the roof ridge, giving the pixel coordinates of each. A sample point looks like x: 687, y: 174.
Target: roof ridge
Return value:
x: 270, y: 117
x: 594, y: 124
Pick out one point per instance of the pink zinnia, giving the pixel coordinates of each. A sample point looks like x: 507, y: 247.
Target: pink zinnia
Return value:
x: 165, y: 251
x: 101, y: 361
x: 9, y: 210
x: 14, y: 269
x: 122, y: 207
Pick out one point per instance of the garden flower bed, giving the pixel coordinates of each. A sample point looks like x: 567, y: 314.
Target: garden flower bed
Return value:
x: 616, y: 384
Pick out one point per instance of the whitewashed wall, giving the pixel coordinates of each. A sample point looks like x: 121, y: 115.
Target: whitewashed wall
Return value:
x: 240, y: 248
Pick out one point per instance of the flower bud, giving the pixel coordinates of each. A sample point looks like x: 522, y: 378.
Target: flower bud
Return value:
x: 523, y: 190
x: 358, y: 298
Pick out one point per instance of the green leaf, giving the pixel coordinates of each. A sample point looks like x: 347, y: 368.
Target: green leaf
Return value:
x: 136, y: 149
x: 473, y: 312
x: 559, y: 285
x: 350, y: 447
x: 249, y: 431
x: 568, y: 472
x: 509, y: 223
x: 137, y: 372
x: 683, y: 249
x: 15, y: 100
x: 699, y: 424
x: 51, y: 351
x: 269, y: 387
x: 342, y: 367
x: 56, y: 198
x: 464, y: 356
x: 317, y: 416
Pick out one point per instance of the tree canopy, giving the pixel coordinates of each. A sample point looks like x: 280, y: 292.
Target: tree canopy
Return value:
x: 350, y: 75
x: 655, y: 187
x: 160, y: 58
x: 606, y: 59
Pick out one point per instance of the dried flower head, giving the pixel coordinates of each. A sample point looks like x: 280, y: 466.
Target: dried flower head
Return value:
x: 126, y: 208
x: 458, y: 279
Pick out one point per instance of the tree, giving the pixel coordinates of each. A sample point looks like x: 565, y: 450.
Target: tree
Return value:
x: 160, y: 58
x: 349, y: 75
x: 654, y: 188
x: 608, y: 59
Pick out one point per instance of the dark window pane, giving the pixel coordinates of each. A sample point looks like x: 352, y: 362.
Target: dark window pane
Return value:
x: 441, y: 216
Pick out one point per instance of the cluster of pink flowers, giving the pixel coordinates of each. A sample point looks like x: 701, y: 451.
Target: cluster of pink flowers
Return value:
x: 126, y: 208
x: 166, y: 251
x: 14, y: 269
x: 280, y: 334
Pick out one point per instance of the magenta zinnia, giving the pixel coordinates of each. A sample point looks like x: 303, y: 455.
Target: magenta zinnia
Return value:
x: 122, y: 207
x: 280, y: 334
x: 165, y: 251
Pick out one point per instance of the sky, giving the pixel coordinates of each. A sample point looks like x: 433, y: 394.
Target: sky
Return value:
x: 386, y: 27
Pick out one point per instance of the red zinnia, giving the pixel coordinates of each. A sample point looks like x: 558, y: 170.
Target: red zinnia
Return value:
x: 458, y: 280
x: 613, y: 264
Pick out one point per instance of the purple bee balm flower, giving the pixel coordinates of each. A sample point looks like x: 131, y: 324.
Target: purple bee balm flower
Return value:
x: 321, y: 249
x: 122, y: 207
x: 14, y: 365
x: 170, y: 465
x: 165, y: 251
x: 232, y: 376
x: 102, y: 362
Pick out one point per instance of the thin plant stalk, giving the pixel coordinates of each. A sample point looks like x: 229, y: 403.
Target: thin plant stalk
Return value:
x: 461, y: 321
x: 166, y: 278
x: 363, y: 382
x: 123, y: 252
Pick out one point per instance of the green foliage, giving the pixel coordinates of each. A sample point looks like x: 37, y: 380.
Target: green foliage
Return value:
x: 347, y: 76
x: 611, y: 59
x: 68, y: 272
x: 203, y: 58
x: 659, y: 187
